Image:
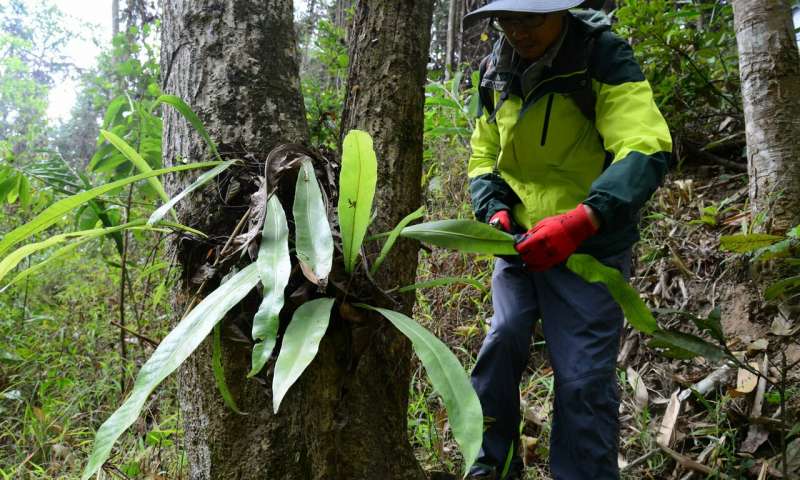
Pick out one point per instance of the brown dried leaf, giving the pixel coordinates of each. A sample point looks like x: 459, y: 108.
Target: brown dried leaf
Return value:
x: 756, y: 436
x: 641, y: 396
x: 667, y: 430
x: 281, y: 159
x: 746, y: 381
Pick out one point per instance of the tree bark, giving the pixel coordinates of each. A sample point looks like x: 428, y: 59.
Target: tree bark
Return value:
x: 388, y: 56
x: 452, y: 32
x: 114, y: 18
x: 235, y: 63
x: 770, y: 73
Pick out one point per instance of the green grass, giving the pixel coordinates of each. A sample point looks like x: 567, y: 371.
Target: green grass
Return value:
x: 60, y: 372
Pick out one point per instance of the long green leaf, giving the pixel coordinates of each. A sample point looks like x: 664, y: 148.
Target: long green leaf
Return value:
x: 12, y: 260
x: 683, y: 342
x: 24, y: 191
x: 171, y: 352
x: 387, y: 247
x: 274, y: 267
x: 61, y: 252
x: 54, y: 212
x: 300, y: 345
x: 137, y: 160
x: 463, y: 235
x: 113, y: 109
x: 438, y: 282
x: 747, y: 243
x: 449, y: 378
x: 711, y: 325
x: 314, y: 241
x: 219, y: 371
x: 590, y: 269
x: 191, y: 117
x: 201, y: 180
x: 357, y: 182
x: 778, y: 288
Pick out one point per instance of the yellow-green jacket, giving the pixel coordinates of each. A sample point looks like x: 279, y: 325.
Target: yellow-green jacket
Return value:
x: 542, y: 153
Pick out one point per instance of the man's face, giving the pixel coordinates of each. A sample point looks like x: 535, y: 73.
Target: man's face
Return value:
x: 531, y: 33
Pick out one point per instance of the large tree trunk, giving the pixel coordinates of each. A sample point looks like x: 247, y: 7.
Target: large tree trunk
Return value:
x: 770, y: 72
x: 235, y: 63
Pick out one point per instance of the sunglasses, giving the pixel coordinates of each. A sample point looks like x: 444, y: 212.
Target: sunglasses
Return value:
x: 518, y: 22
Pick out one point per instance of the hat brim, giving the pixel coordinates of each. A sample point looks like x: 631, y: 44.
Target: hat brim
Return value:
x: 518, y: 6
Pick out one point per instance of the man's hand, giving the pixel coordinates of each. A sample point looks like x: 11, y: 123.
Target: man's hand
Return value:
x: 502, y: 221
x: 554, y: 239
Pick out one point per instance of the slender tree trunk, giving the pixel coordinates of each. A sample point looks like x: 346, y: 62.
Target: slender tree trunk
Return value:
x: 477, y: 41
x: 770, y: 73
x: 452, y: 33
x: 309, y: 29
x: 114, y: 18
x: 235, y: 63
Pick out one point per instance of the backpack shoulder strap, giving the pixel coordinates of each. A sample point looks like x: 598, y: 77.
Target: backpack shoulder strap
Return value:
x: 485, y: 94
x: 584, y: 97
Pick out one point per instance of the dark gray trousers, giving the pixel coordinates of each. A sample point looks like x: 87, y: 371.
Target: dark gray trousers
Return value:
x: 582, y: 326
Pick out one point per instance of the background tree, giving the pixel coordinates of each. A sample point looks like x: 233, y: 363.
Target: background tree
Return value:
x: 770, y: 71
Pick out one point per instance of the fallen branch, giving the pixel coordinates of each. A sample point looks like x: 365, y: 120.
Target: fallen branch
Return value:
x: 639, y: 460
x: 690, y: 464
x: 136, y: 334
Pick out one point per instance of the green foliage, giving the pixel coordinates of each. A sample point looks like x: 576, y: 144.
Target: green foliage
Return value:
x: 191, y: 117
x: 591, y: 270
x: 274, y: 267
x: 393, y: 235
x: 688, y: 52
x: 450, y: 110
x: 32, y: 38
x: 357, y: 181
x: 322, y: 82
x: 54, y: 212
x: 137, y: 160
x: 449, y: 378
x: 438, y: 282
x: 11, y: 260
x: 684, y: 345
x: 171, y: 352
x: 784, y: 250
x: 747, y: 243
x: 314, y: 242
x: 300, y: 345
x: 201, y: 180
x: 219, y: 371
x: 463, y: 235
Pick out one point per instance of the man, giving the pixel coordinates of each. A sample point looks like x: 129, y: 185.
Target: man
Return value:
x: 568, y: 149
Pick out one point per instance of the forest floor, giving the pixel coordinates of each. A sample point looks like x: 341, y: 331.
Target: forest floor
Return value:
x: 61, y: 378
x: 678, y: 266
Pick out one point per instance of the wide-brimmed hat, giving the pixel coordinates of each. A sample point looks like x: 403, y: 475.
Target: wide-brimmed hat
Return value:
x: 518, y: 6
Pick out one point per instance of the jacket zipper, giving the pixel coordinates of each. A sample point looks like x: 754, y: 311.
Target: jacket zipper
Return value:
x: 547, y: 118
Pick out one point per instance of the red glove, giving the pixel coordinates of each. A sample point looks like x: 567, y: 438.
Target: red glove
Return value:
x: 501, y: 221
x: 554, y: 239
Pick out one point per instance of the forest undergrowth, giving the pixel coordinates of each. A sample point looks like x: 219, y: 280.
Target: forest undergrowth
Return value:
x: 678, y: 266
x: 63, y: 369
